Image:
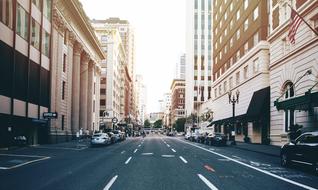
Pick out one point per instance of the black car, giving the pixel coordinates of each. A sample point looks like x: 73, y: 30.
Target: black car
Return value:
x: 303, y: 150
x: 217, y: 139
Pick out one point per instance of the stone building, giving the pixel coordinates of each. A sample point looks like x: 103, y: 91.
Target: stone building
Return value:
x: 177, y: 99
x: 293, y: 70
x: 75, y: 72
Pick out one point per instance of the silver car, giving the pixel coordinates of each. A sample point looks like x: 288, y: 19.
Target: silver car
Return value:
x: 100, y: 139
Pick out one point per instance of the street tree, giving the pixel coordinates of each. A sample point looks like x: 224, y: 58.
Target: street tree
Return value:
x: 147, y: 123
x: 179, y: 124
x: 158, y: 123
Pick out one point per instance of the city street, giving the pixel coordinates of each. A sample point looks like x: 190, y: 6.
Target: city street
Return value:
x: 154, y: 162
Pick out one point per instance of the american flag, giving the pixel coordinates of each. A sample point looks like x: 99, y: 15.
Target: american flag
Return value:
x: 295, y: 21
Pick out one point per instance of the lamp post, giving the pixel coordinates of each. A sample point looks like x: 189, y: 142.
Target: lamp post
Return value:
x: 233, y: 100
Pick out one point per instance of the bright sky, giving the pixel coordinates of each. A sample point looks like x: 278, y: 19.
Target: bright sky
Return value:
x: 160, y: 38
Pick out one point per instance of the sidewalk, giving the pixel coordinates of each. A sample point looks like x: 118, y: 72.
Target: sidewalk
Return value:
x: 259, y: 148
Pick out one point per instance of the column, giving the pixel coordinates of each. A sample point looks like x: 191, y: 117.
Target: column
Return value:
x: 90, y: 95
x: 77, y: 50
x: 83, y: 90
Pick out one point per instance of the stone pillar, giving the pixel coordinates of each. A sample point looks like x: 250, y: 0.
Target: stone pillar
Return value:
x: 83, y: 90
x: 77, y: 50
x: 90, y: 95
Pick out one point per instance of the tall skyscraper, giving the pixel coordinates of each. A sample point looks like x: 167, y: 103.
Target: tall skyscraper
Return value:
x: 198, y: 54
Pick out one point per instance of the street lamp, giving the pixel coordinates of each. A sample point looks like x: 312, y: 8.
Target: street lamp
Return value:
x: 233, y: 100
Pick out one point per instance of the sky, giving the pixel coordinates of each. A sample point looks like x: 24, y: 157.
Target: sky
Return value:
x: 160, y: 38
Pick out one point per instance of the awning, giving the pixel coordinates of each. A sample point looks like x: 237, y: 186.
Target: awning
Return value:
x: 229, y: 120
x: 259, y: 104
x: 305, y: 102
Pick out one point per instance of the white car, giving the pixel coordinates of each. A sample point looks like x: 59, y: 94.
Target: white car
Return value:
x: 100, y: 139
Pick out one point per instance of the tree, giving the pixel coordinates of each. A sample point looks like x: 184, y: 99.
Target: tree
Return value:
x: 158, y: 123
x: 147, y: 124
x: 179, y: 124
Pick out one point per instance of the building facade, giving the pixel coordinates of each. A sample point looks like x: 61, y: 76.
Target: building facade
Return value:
x: 25, y: 70
x: 241, y: 69
x: 141, y: 96
x: 112, y: 79
x: 75, y: 70
x: 177, y: 99
x: 198, y: 54
x: 126, y: 33
x: 293, y: 70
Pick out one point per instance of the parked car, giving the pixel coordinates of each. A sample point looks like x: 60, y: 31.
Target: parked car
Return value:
x: 217, y: 139
x: 20, y: 140
x: 112, y: 137
x: 117, y: 135
x: 100, y: 139
x: 303, y: 150
x: 187, y: 136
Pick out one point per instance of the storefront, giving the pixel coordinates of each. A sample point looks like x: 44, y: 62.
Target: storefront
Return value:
x: 35, y: 131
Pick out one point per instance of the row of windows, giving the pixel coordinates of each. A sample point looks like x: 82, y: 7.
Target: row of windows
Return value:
x: 236, y: 56
x: 22, y: 23
x: 196, y: 3
x: 227, y: 30
x: 229, y: 84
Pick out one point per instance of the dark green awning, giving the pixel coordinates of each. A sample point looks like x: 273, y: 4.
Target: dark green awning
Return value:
x: 259, y: 104
x: 305, y: 102
x: 229, y: 120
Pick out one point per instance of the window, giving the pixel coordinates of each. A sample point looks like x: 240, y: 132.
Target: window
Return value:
x: 202, y: 5
x: 255, y: 13
x: 255, y: 65
x: 35, y: 35
x: 225, y: 86
x: 231, y: 24
x: 220, y: 90
x: 37, y: 3
x: 63, y: 119
x: 103, y: 80
x: 237, y: 78
x: 94, y: 88
x: 289, y: 114
x: 6, y: 11
x: 225, y: 15
x: 47, y: 8
x: 46, y: 43
x: 238, y: 34
x: 231, y: 42
x: 102, y: 102
x: 225, y: 32
x: 93, y: 105
x: 63, y: 90
x: 238, y: 14
x: 196, y: 4
x: 237, y: 55
x: 231, y: 6
x: 64, y: 63
x: 246, y: 24
x: 245, y: 47
x: 245, y: 4
x: 255, y: 39
x: 246, y: 72
x: 22, y: 23
x: 215, y: 92
x: 230, y: 83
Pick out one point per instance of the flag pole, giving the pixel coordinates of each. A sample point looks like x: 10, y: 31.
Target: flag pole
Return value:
x: 315, y: 31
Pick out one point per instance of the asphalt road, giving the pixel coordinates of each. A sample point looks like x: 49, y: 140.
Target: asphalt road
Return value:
x: 155, y: 162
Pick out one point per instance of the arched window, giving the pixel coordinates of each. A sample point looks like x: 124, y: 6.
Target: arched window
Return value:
x: 289, y: 114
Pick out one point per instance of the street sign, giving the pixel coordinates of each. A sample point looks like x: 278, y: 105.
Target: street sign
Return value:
x: 50, y: 115
x: 114, y: 120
